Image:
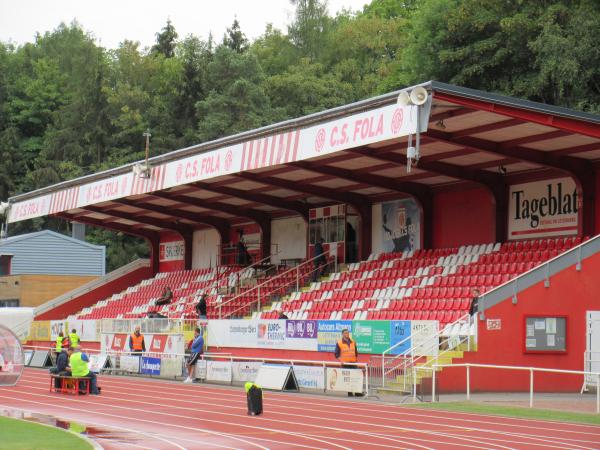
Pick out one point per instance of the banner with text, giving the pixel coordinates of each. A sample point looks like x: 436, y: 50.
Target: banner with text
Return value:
x: 301, y: 335
x: 371, y: 336
x: 218, y: 371
x: 345, y: 380
x: 379, y: 124
x: 310, y: 377
x: 245, y: 370
x: 330, y: 332
x: 543, y: 209
x: 172, y: 344
x: 401, y: 222
x: 400, y: 334
x: 422, y: 335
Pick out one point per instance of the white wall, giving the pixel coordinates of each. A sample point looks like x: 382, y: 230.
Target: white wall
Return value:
x: 376, y: 229
x: 291, y: 235
x: 205, y: 249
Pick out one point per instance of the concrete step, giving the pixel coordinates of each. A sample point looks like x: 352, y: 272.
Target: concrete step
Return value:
x: 391, y: 390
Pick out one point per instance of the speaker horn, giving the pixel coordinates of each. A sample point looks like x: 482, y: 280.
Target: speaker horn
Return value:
x: 418, y: 95
x: 403, y: 98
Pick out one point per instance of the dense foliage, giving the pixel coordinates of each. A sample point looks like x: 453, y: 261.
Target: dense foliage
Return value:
x: 69, y: 107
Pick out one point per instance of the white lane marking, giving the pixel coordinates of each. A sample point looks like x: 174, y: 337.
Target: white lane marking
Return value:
x: 377, y: 435
x: 446, y: 434
x: 400, y: 411
x: 141, y: 420
x: 279, y: 431
x: 232, y: 436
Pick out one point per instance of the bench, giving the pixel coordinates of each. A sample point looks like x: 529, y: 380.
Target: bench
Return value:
x: 69, y: 384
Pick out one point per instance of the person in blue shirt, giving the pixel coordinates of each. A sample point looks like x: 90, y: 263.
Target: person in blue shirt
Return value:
x: 197, y: 350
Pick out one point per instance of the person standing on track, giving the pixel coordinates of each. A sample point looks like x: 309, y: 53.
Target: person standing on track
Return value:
x: 59, y: 344
x: 197, y: 350
x: 346, y: 352
x: 136, y: 342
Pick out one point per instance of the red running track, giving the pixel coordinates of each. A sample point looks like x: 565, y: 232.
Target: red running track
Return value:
x: 146, y: 413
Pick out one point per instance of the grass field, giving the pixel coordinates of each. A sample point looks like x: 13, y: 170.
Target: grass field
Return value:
x: 22, y: 435
x: 514, y: 411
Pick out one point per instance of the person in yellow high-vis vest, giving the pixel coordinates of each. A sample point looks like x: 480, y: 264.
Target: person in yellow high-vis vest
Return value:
x: 79, y: 368
x: 59, y: 339
x: 74, y: 338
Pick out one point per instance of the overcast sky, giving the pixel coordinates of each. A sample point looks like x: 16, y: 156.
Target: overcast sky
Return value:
x: 112, y: 21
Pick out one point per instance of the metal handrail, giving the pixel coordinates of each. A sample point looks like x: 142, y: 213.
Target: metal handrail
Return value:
x: 218, y: 278
x: 531, y: 370
x: 408, y: 356
x: 257, y: 263
x: 258, y: 286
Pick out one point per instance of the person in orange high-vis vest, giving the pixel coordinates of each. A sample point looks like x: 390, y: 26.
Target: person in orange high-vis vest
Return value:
x: 345, y: 349
x: 136, y: 342
x: 346, y: 353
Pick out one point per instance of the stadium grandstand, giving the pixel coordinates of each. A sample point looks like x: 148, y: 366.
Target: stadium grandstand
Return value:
x: 423, y: 199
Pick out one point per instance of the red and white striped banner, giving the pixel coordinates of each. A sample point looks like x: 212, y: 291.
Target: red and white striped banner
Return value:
x: 380, y: 124
x: 270, y: 151
x: 64, y: 200
x: 155, y: 183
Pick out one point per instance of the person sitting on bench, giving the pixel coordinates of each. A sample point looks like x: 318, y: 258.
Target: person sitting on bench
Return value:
x: 79, y: 368
x: 165, y: 297
x: 62, y: 365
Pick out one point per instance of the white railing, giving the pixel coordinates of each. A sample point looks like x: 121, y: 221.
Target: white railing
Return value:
x: 227, y: 357
x: 162, y: 325
x: 94, y: 284
x: 405, y: 363
x: 591, y: 364
x: 531, y: 371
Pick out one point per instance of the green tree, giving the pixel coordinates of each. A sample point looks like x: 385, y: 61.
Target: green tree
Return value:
x: 166, y: 41
x: 235, y: 39
x: 237, y: 101
x: 306, y: 88
x: 275, y: 51
x: 195, y: 56
x: 310, y: 26
x: 545, y: 51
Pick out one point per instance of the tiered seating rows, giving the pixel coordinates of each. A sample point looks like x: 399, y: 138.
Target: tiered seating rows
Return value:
x: 370, y: 290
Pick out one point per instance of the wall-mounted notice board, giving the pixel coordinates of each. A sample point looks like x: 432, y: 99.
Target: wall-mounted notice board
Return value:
x: 545, y: 334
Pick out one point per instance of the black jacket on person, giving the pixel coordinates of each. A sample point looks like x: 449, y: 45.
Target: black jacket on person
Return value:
x: 62, y: 361
x: 474, y: 305
x: 201, y: 306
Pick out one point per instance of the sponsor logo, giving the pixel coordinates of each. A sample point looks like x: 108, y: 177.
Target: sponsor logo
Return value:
x: 554, y: 203
x: 397, y: 120
x: 150, y: 366
x: 320, y: 140
x: 247, y: 329
x: 228, y: 160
